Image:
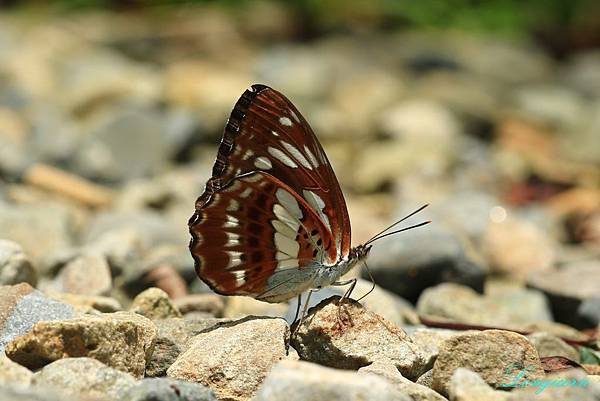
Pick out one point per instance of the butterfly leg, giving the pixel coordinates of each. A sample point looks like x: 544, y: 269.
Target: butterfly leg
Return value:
x: 347, y: 294
x: 303, y: 311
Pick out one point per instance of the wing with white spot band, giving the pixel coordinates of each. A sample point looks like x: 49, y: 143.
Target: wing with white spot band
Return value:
x: 250, y: 235
x: 265, y: 132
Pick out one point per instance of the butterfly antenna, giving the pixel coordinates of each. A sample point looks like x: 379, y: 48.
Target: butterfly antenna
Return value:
x: 370, y: 278
x: 396, y: 223
x: 397, y: 231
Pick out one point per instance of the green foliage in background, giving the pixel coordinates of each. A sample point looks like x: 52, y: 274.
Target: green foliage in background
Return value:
x: 496, y: 16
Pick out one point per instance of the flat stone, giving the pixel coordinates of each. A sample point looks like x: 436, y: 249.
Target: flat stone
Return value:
x: 85, y: 378
x: 513, y: 309
x: 154, y: 303
x: 466, y: 385
x: 388, y: 371
x: 212, y: 304
x: 350, y: 337
x: 95, y: 336
x: 86, y: 302
x: 299, y: 381
x: 13, y: 374
x: 38, y: 230
x: 233, y: 359
x: 549, y: 345
x: 87, y: 274
x: 172, y: 341
x: 15, y: 266
x: 165, y: 389
x: 488, y: 353
x: 21, y: 307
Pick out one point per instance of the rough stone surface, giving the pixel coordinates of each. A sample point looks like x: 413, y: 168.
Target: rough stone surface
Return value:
x: 154, y: 303
x: 299, y: 381
x: 84, y: 377
x: 121, y: 340
x: 466, y: 385
x: 15, y: 266
x: 172, y: 340
x: 512, y: 309
x: 13, y: 374
x: 548, y: 345
x: 213, y: 304
x: 487, y: 353
x: 87, y: 303
x: 21, y: 307
x: 233, y: 359
x: 426, y: 379
x: 165, y: 389
x: 350, y: 337
x: 87, y: 274
x: 428, y: 340
x: 388, y: 371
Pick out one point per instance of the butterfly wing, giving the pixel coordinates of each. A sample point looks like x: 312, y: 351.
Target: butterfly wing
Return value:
x: 257, y: 237
x: 265, y: 132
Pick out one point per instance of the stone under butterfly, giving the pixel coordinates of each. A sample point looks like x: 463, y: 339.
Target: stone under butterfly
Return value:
x: 272, y: 222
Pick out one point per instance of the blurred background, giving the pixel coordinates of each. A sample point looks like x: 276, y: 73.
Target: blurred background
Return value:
x: 111, y: 112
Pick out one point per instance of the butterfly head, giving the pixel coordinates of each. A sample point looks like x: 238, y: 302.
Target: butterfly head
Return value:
x: 360, y: 252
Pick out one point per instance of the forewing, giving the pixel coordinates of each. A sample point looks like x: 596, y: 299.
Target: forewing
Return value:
x: 249, y: 236
x: 265, y: 132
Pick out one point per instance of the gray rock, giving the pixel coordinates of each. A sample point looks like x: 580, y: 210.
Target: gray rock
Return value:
x: 489, y: 353
x: 10, y: 393
x: 567, y: 288
x: 583, y: 72
x: 15, y: 266
x: 84, y: 378
x: 154, y: 303
x: 96, y: 336
x: 112, y: 150
x: 172, y: 341
x: 429, y: 340
x: 38, y: 230
x: 14, y: 375
x: 348, y: 336
x: 514, y: 308
x: 426, y: 257
x: 21, y: 307
x: 298, y: 380
x: 165, y: 389
x: 548, y: 345
x: 233, y: 359
x: 589, y: 311
x: 388, y: 371
x: 466, y: 385
x: 87, y: 274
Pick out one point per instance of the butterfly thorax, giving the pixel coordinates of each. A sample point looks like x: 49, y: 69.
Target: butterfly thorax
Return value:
x: 330, y: 274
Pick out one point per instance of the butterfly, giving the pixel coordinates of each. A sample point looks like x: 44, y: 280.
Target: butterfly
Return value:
x: 272, y: 221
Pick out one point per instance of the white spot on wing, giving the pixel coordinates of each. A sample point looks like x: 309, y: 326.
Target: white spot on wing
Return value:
x: 311, y: 157
x: 290, y: 203
x: 233, y: 239
x: 285, y: 121
x: 297, y: 155
x: 294, y: 116
x: 318, y: 204
x: 240, y: 277
x: 274, y: 133
x: 230, y: 222
x: 285, y: 262
x: 284, y: 229
x: 286, y: 245
x: 284, y: 216
x: 234, y: 259
x: 233, y: 205
x: 282, y: 157
x: 246, y: 192
x: 263, y: 163
x: 249, y: 153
